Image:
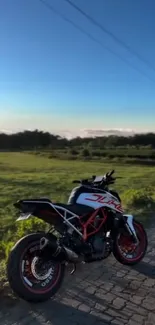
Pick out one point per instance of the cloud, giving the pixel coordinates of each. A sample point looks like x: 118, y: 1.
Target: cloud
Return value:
x: 83, y: 133
x: 6, y: 131
x: 106, y: 132
x: 96, y: 133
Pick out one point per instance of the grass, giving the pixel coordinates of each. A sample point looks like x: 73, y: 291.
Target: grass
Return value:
x: 25, y: 175
x: 141, y: 155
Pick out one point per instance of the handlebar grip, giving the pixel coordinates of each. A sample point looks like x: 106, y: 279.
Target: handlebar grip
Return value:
x: 76, y: 181
x: 112, y: 172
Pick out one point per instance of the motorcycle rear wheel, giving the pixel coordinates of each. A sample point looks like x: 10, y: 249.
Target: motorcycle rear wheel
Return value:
x: 29, y: 277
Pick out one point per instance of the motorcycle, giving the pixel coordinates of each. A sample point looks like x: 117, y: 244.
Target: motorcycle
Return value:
x: 90, y: 227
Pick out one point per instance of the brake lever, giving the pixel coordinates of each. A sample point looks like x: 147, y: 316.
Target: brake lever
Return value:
x: 111, y: 181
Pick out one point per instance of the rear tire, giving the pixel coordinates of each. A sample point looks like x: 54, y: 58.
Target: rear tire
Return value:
x: 26, y: 285
x: 121, y: 258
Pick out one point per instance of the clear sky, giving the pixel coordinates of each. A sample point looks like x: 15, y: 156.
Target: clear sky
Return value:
x: 54, y: 77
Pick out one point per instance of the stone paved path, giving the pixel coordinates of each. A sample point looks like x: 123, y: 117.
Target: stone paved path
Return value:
x: 104, y: 293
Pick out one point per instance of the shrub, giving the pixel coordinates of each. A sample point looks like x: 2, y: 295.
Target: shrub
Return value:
x: 85, y: 153
x: 96, y: 153
x: 2, y: 250
x: 138, y: 199
x: 74, y: 152
x: 29, y: 226
x: 5, y: 248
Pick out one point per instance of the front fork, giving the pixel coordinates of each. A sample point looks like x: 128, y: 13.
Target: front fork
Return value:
x: 128, y: 219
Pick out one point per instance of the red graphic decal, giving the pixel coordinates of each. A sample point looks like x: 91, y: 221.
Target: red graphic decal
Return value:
x: 116, y: 205
x: 102, y: 199
x: 96, y: 198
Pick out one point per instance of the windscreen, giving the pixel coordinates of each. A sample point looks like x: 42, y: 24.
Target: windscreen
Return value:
x: 98, y: 179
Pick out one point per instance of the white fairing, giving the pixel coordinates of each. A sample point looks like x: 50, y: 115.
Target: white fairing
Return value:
x: 98, y: 200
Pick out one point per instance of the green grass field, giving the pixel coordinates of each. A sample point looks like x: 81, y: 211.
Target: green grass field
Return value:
x: 26, y: 176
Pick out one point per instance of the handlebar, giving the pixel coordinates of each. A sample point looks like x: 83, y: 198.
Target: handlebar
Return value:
x: 110, y: 173
x: 83, y: 181
x: 106, y: 180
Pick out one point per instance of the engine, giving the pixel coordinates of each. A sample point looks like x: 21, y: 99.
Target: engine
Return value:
x: 98, y: 247
x: 75, y: 250
x: 98, y: 244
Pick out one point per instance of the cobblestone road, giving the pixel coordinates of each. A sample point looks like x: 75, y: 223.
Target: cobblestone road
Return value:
x: 102, y: 293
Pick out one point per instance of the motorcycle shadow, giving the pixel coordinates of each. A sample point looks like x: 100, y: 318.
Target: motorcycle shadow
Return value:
x: 146, y: 269
x: 59, y: 313
x: 54, y: 313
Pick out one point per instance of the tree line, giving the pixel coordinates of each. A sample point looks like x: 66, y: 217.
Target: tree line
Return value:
x: 30, y: 140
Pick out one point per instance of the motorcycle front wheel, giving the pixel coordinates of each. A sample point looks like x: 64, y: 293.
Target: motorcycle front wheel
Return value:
x: 31, y: 278
x: 125, y: 250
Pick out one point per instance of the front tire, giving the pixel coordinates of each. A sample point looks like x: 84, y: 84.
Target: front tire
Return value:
x: 23, y: 271
x: 123, y: 240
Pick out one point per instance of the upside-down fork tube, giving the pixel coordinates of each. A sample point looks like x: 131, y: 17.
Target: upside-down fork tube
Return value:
x: 130, y: 226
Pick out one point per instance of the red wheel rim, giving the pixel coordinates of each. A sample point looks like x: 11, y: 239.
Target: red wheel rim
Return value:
x: 29, y: 277
x: 128, y: 250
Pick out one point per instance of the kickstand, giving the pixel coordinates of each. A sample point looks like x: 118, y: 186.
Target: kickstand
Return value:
x: 74, y: 269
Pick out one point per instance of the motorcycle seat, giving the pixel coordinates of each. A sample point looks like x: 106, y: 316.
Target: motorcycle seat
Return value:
x: 78, y: 209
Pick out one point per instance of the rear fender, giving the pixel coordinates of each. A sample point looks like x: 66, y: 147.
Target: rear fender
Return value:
x: 25, y: 210
x: 29, y: 209
x: 24, y: 207
x: 24, y: 216
x: 40, y: 208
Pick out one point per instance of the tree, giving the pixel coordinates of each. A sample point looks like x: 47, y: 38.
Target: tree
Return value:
x: 28, y: 140
x: 85, y: 153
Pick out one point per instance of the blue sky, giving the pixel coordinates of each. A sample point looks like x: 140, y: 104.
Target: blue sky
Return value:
x: 54, y: 77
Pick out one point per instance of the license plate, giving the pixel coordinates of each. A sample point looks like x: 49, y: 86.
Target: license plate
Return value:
x: 24, y: 216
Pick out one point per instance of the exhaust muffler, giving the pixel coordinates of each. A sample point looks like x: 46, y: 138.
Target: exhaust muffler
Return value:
x: 51, y: 249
